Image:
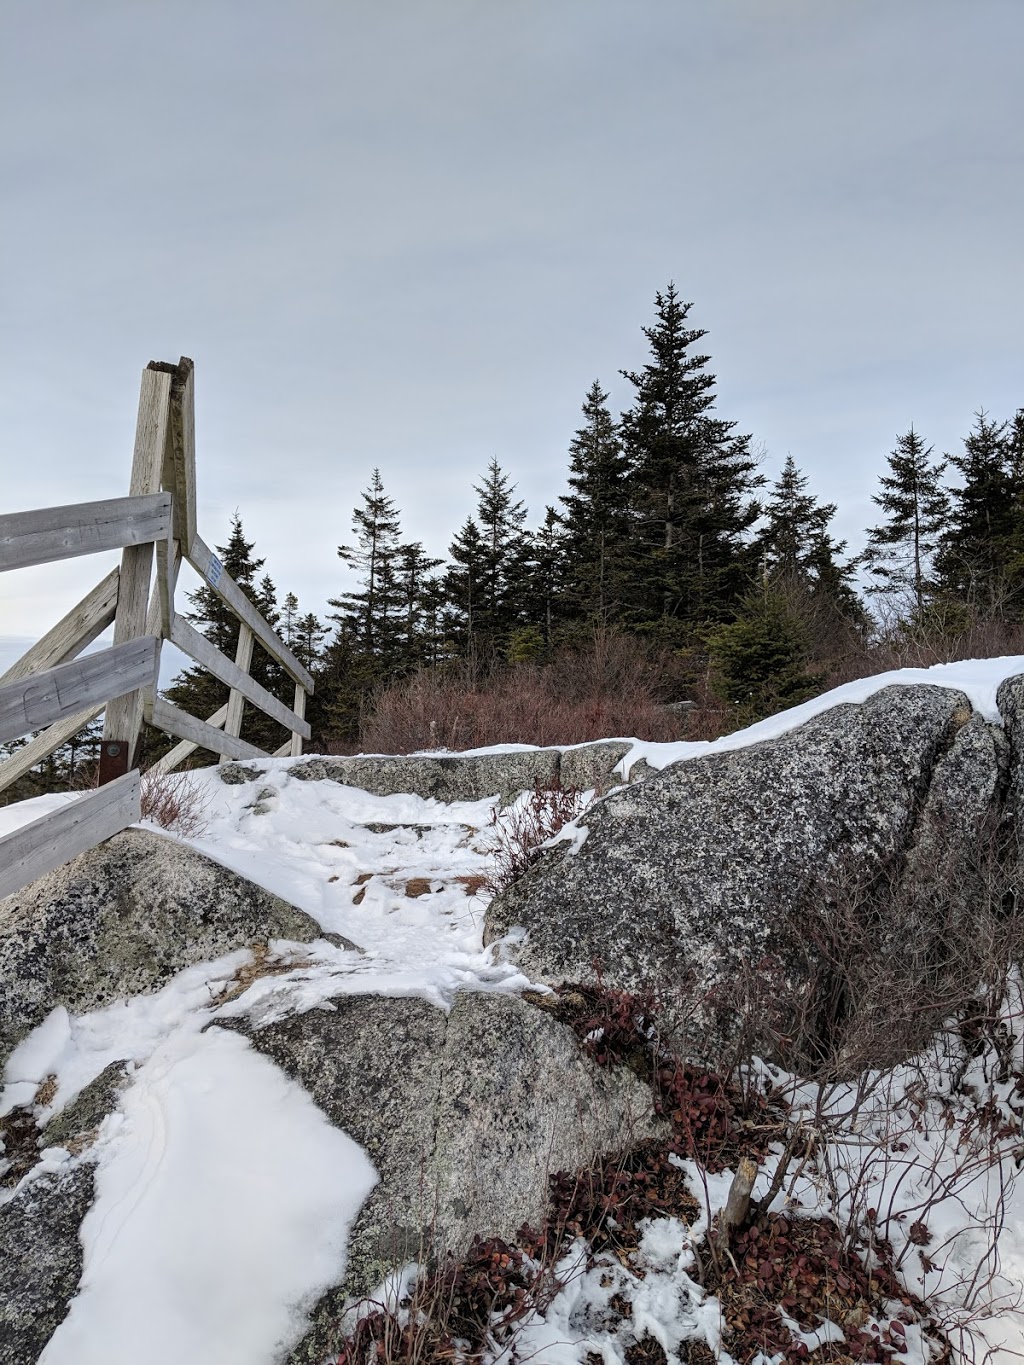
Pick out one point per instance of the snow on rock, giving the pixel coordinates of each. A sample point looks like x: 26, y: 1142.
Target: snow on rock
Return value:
x: 223, y: 1202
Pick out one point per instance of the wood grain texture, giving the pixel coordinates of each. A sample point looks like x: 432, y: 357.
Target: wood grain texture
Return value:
x: 35, y: 849
x: 199, y: 732
x: 236, y: 699
x: 183, y: 451
x: 199, y: 648
x: 19, y: 763
x: 181, y: 751
x: 37, y: 701
x: 298, y: 735
x: 83, y: 623
x: 123, y: 719
x: 200, y: 557
x: 82, y: 528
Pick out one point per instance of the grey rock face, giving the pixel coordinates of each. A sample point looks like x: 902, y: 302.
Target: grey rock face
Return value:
x: 455, y: 777
x: 1010, y: 700
x: 80, y: 1119
x: 463, y: 1116
x: 693, y: 871
x: 122, y: 919
x: 591, y: 765
x: 41, y: 1261
x: 462, y: 777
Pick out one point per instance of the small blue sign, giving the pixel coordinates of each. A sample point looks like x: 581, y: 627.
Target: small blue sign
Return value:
x: 214, y: 571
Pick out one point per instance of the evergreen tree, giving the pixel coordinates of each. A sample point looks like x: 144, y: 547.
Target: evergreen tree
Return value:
x: 974, y: 560
x: 596, y: 519
x: 418, y: 621
x: 307, y: 638
x: 794, y: 544
x: 692, y: 480
x: 289, y: 618
x: 901, y: 550
x: 760, y: 661
x: 372, y: 610
x: 487, y: 586
x: 545, y: 590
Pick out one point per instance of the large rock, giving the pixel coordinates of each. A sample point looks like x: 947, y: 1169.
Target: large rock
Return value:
x: 693, y: 875
x: 464, y: 1115
x: 122, y: 919
x: 450, y: 777
x: 41, y: 1261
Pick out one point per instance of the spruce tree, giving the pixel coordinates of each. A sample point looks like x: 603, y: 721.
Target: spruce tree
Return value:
x: 462, y: 588
x: 974, y: 561
x: 596, y: 519
x: 692, y: 480
x: 487, y: 586
x: 372, y: 609
x: 901, y: 550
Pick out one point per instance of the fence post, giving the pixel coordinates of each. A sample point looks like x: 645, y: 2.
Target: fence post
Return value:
x: 295, y: 748
x: 236, y: 702
x: 123, y: 719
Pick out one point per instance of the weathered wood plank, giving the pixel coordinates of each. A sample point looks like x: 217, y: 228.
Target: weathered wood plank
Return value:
x: 34, y: 702
x: 236, y: 699
x: 198, y: 647
x: 83, y: 623
x: 298, y: 735
x: 176, y: 722
x: 38, y: 848
x: 19, y: 763
x: 181, y: 751
x: 183, y: 450
x: 82, y: 528
x: 209, y: 567
x: 123, y: 719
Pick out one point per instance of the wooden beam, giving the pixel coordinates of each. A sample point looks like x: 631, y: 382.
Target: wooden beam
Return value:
x: 19, y: 763
x: 236, y: 699
x: 83, y: 623
x: 38, y: 848
x: 298, y: 735
x: 163, y: 716
x: 82, y: 528
x: 198, y: 647
x: 209, y: 567
x: 182, y: 465
x: 34, y: 702
x: 181, y: 751
x: 123, y: 720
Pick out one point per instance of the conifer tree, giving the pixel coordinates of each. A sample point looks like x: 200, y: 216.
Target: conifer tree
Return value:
x: 692, y: 479
x: 462, y: 584
x: 794, y: 545
x: 289, y: 618
x: 901, y: 550
x: 974, y: 560
x: 596, y: 519
x: 487, y: 584
x: 371, y: 610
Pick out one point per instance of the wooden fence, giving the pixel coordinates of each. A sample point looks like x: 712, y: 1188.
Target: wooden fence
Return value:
x: 54, y: 692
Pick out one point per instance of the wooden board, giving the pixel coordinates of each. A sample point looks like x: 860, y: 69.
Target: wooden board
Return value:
x: 236, y: 700
x: 199, y: 648
x: 181, y: 751
x: 43, y: 745
x: 163, y: 716
x: 38, y: 848
x: 83, y: 623
x: 123, y: 719
x: 34, y: 702
x: 295, y: 747
x: 183, y: 451
x: 209, y: 567
x: 82, y: 528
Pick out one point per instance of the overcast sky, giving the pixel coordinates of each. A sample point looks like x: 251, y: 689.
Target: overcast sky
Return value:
x: 410, y: 233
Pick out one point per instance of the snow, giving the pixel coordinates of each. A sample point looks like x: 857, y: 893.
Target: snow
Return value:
x: 223, y: 1195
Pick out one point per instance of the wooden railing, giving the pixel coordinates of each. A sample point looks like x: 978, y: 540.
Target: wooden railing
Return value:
x: 54, y: 692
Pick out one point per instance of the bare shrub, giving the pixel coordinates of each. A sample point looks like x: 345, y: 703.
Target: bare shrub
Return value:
x: 176, y: 802
x: 616, y: 685
x: 521, y: 830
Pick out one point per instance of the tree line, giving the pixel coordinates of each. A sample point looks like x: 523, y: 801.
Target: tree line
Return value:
x: 667, y: 531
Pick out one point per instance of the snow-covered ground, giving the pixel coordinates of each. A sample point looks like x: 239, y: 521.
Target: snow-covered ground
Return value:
x: 223, y: 1195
